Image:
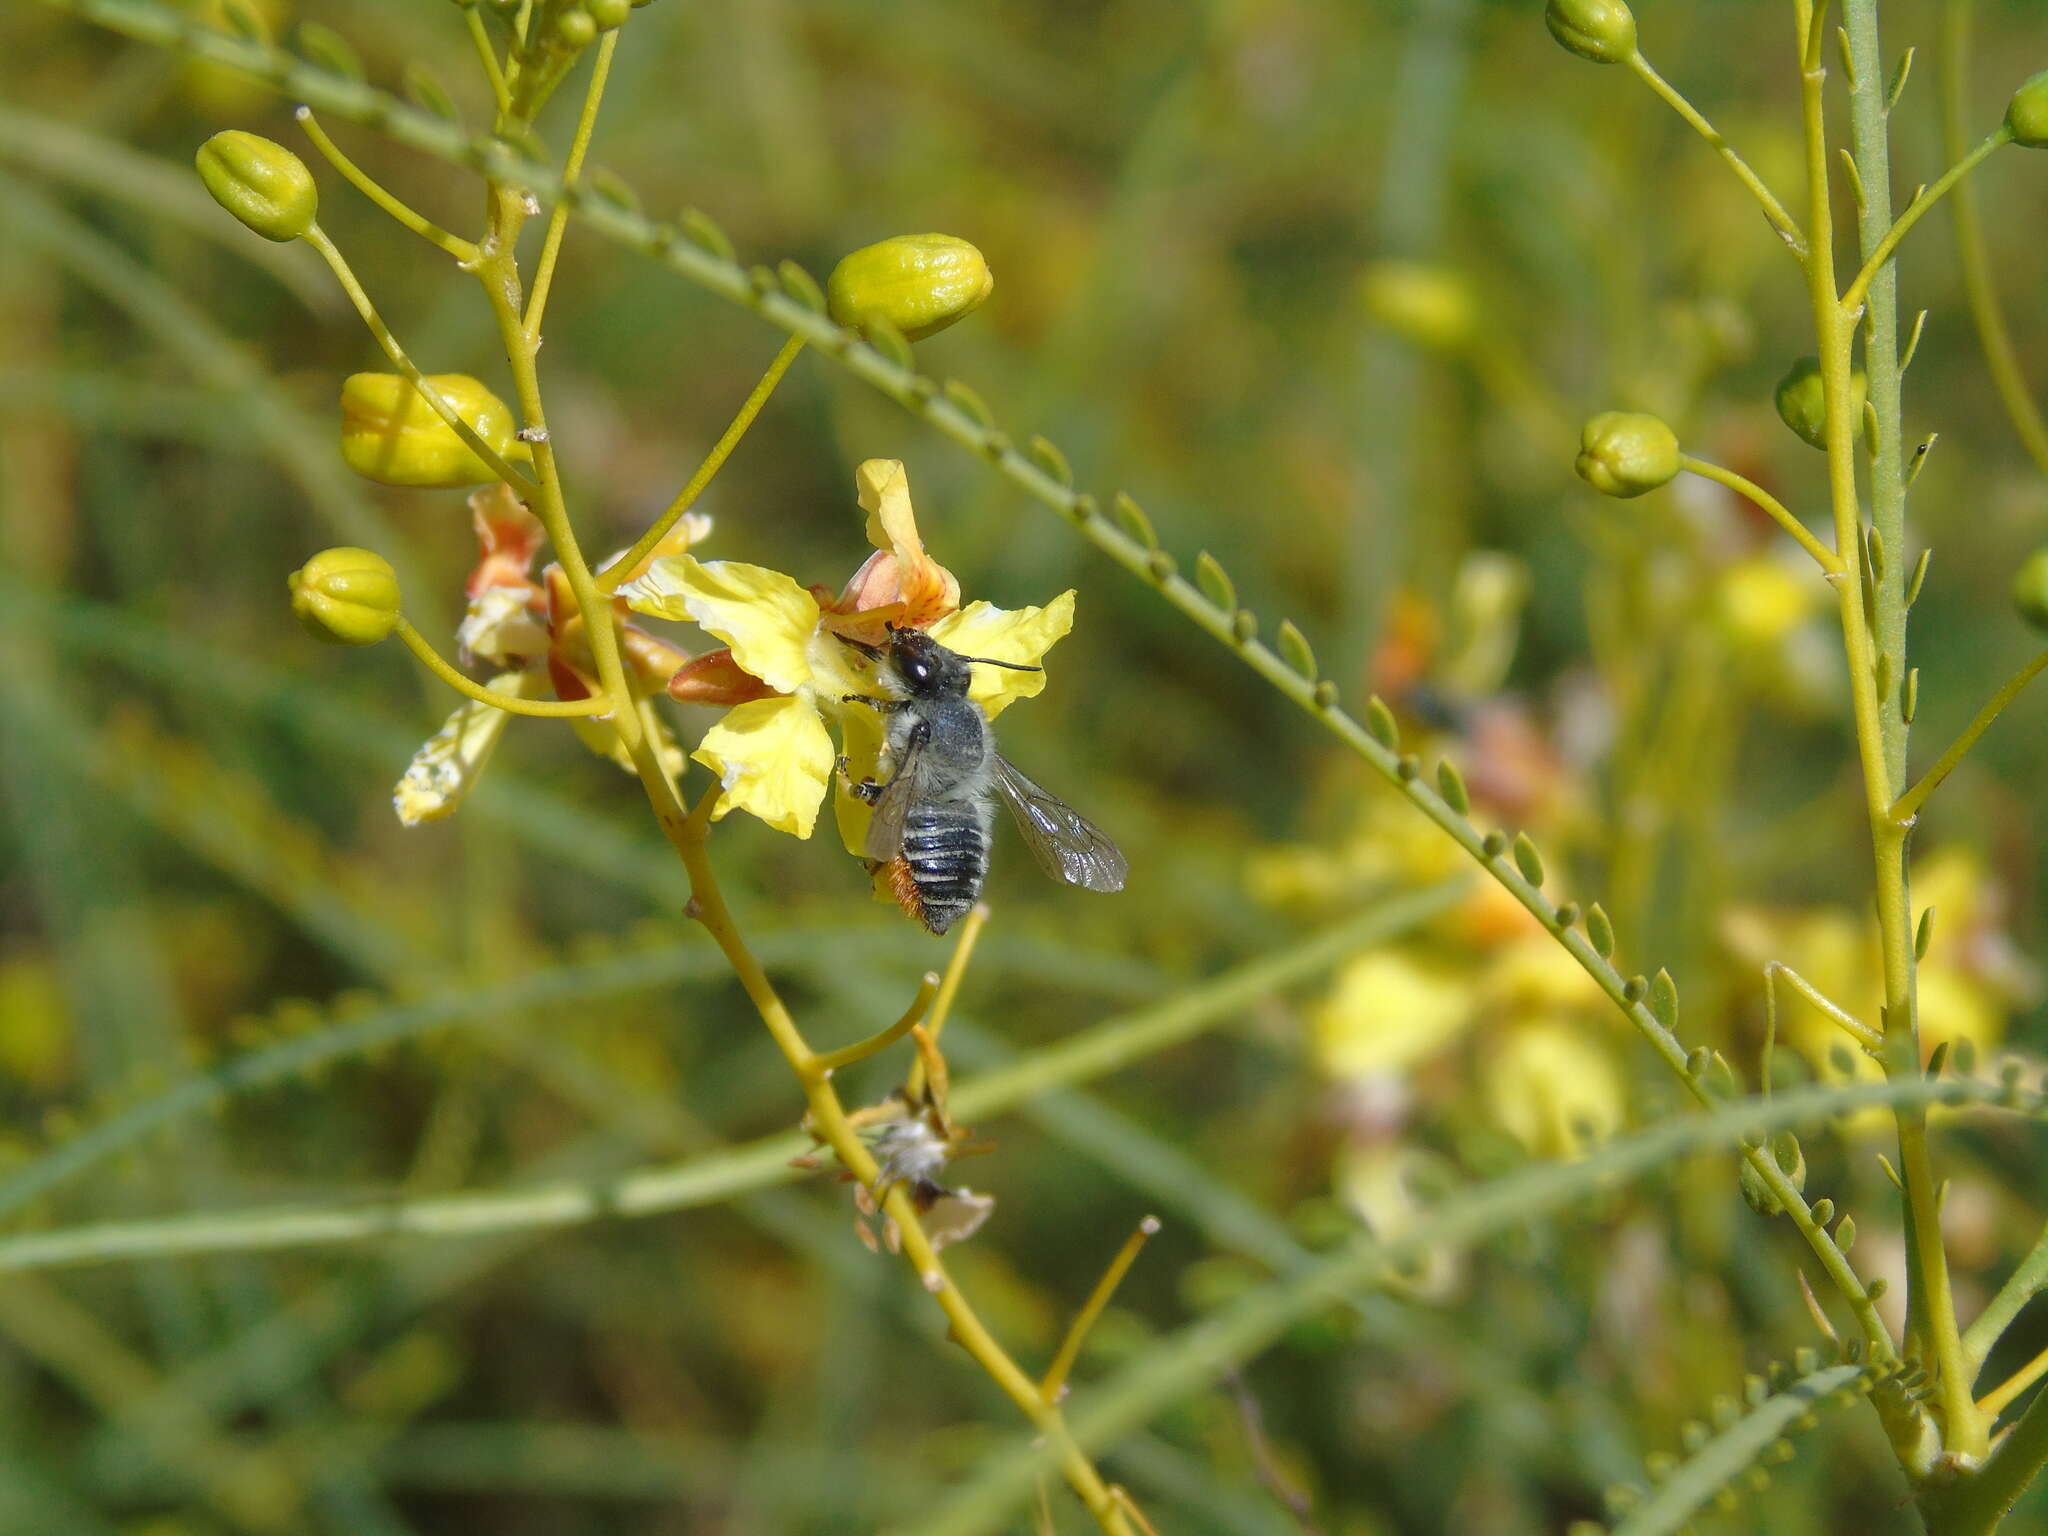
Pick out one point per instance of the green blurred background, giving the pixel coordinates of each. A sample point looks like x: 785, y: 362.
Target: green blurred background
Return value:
x: 1184, y: 206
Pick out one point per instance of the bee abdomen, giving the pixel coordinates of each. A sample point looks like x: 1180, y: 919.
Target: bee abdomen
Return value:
x: 945, y: 850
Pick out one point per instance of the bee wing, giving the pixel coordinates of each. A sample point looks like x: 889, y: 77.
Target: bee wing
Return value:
x: 885, y: 827
x: 1067, y: 845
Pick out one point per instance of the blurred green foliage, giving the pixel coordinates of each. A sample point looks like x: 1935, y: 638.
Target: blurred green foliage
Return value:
x: 1181, y: 204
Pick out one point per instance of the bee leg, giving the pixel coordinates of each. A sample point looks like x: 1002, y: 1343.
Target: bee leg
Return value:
x: 880, y: 706
x: 866, y: 791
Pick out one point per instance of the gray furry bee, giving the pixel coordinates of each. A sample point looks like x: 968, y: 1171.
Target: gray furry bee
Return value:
x: 934, y: 805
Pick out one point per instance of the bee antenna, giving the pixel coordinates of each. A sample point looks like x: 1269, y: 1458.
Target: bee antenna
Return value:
x: 990, y: 661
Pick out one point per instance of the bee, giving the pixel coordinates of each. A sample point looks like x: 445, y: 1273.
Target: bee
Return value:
x: 941, y: 774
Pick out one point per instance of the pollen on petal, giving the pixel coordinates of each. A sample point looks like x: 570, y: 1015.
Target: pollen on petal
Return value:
x: 763, y: 615
x: 774, y: 759
x: 1020, y: 635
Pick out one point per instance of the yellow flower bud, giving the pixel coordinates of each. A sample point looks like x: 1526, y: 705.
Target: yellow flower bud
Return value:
x: 2030, y: 589
x: 346, y: 596
x: 390, y: 434
x: 261, y: 183
x: 2027, y: 113
x: 1803, y: 408
x: 1428, y: 305
x: 576, y: 29
x: 1601, y: 30
x: 918, y: 283
x: 1625, y: 453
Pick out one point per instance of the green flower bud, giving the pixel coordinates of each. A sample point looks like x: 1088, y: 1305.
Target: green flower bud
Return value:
x: 576, y: 29
x: 1429, y: 305
x: 1625, y: 453
x: 2027, y: 113
x: 346, y: 596
x: 1601, y: 30
x: 917, y: 283
x: 1802, y: 403
x: 2030, y: 589
x: 261, y: 183
x: 608, y: 13
x: 1791, y: 1160
x: 390, y: 434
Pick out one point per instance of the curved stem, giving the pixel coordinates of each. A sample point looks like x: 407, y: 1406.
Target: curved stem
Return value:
x: 942, y: 1008
x: 827, y: 1062
x: 1995, y: 1402
x: 469, y: 688
x: 2021, y: 1287
x: 488, y: 56
x: 520, y: 482
x: 1907, y: 806
x: 462, y: 250
x: 632, y: 563
x: 558, y: 221
x: 1781, y: 221
x: 1764, y: 501
x: 2000, y: 357
x: 1852, y: 299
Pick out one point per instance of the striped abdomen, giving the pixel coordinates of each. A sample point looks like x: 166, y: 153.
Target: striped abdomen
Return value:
x: 945, y: 859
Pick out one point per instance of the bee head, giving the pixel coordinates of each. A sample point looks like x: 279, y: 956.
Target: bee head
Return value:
x: 921, y: 668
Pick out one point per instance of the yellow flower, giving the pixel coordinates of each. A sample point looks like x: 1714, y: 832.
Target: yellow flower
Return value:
x: 1386, y: 1012
x: 774, y: 756
x: 1552, y: 1088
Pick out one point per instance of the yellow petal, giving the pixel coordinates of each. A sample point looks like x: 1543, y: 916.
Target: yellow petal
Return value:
x: 763, y: 615
x: 1021, y: 635
x: 1387, y: 1012
x: 1553, y: 1088
x: 924, y: 587
x: 860, y: 739
x: 444, y: 770
x: 774, y: 760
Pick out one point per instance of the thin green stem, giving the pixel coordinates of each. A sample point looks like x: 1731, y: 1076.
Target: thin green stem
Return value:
x: 1053, y: 1385
x: 469, y: 688
x: 520, y: 482
x: 828, y: 1062
x: 488, y: 57
x: 1835, y: 336
x: 558, y: 221
x: 1764, y: 501
x: 2021, y: 1287
x: 969, y: 933
x: 1907, y: 806
x: 1857, y: 1030
x: 632, y: 563
x: 1783, y: 222
x: 2000, y: 1397
x: 1981, y: 292
x: 462, y: 250
x: 1852, y: 299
